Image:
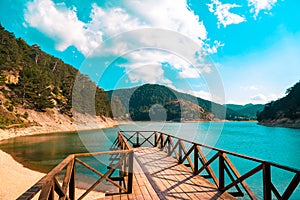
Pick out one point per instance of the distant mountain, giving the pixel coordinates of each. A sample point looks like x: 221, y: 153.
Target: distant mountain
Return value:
x: 34, y: 80
x: 141, y: 102
x: 284, y: 112
x: 248, y: 110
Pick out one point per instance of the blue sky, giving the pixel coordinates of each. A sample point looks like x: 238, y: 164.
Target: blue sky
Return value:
x: 253, y: 45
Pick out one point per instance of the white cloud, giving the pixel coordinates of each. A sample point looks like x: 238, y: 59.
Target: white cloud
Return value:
x: 113, y: 21
x: 62, y: 25
x: 259, y: 5
x: 169, y: 14
x: 225, y: 17
x: 150, y: 73
x: 146, y: 66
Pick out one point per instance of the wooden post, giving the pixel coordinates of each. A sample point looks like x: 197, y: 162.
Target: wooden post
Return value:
x: 130, y: 173
x: 267, y: 181
x: 169, y: 146
x: 180, y: 152
x: 72, y: 182
x: 122, y: 170
x: 155, y: 139
x: 221, y: 171
x: 161, y: 141
x: 196, y: 159
x: 137, y: 139
x: 51, y: 195
x: 119, y: 140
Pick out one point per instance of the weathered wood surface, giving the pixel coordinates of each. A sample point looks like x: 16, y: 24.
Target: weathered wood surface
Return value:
x: 159, y: 176
x: 159, y: 173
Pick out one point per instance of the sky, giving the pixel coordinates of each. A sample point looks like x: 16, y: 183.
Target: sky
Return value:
x: 240, y: 52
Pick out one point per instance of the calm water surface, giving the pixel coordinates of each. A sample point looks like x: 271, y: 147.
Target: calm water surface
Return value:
x: 280, y: 145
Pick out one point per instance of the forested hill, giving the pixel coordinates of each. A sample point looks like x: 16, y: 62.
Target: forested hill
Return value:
x: 249, y: 110
x: 33, y: 79
x: 140, y: 102
x: 283, y: 112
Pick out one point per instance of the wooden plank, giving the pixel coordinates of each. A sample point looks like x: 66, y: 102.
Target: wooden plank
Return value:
x: 237, y: 174
x: 157, y: 185
x: 67, y: 178
x: 267, y: 181
x: 98, y: 181
x: 200, y: 187
x: 100, y: 153
x: 174, y: 148
x: 102, y: 175
x: 291, y: 187
x: 147, y: 139
x: 208, y: 168
x: 186, y: 154
x: 46, y: 190
x: 172, y: 180
x: 141, y: 180
x: 221, y: 171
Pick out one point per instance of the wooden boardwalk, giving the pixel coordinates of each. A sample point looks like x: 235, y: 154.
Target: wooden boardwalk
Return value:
x: 155, y: 165
x: 159, y: 176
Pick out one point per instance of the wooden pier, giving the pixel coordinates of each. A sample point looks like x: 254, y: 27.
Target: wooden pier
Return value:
x: 155, y: 165
x: 158, y: 176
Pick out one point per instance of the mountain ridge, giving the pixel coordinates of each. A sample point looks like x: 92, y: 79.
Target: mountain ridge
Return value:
x: 134, y: 108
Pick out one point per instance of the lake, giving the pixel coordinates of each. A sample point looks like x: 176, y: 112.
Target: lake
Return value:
x: 275, y: 144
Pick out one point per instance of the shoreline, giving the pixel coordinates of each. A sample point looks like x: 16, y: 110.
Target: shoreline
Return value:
x: 6, y: 134
x: 21, y: 132
x: 292, y: 126
x: 281, y: 122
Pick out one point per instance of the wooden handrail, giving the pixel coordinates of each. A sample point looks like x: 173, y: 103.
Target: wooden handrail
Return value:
x: 123, y: 141
x: 49, y: 185
x: 224, y: 151
x: 178, y: 150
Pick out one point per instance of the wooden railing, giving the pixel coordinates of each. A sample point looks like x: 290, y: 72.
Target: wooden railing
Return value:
x: 52, y: 187
x: 219, y: 168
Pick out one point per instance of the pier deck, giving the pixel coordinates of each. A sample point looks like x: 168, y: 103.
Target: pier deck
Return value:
x: 156, y: 165
x: 159, y: 176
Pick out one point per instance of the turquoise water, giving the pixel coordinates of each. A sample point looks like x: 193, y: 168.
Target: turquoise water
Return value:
x: 280, y: 145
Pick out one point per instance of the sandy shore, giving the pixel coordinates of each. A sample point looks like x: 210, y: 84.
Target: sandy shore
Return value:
x: 14, y: 178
